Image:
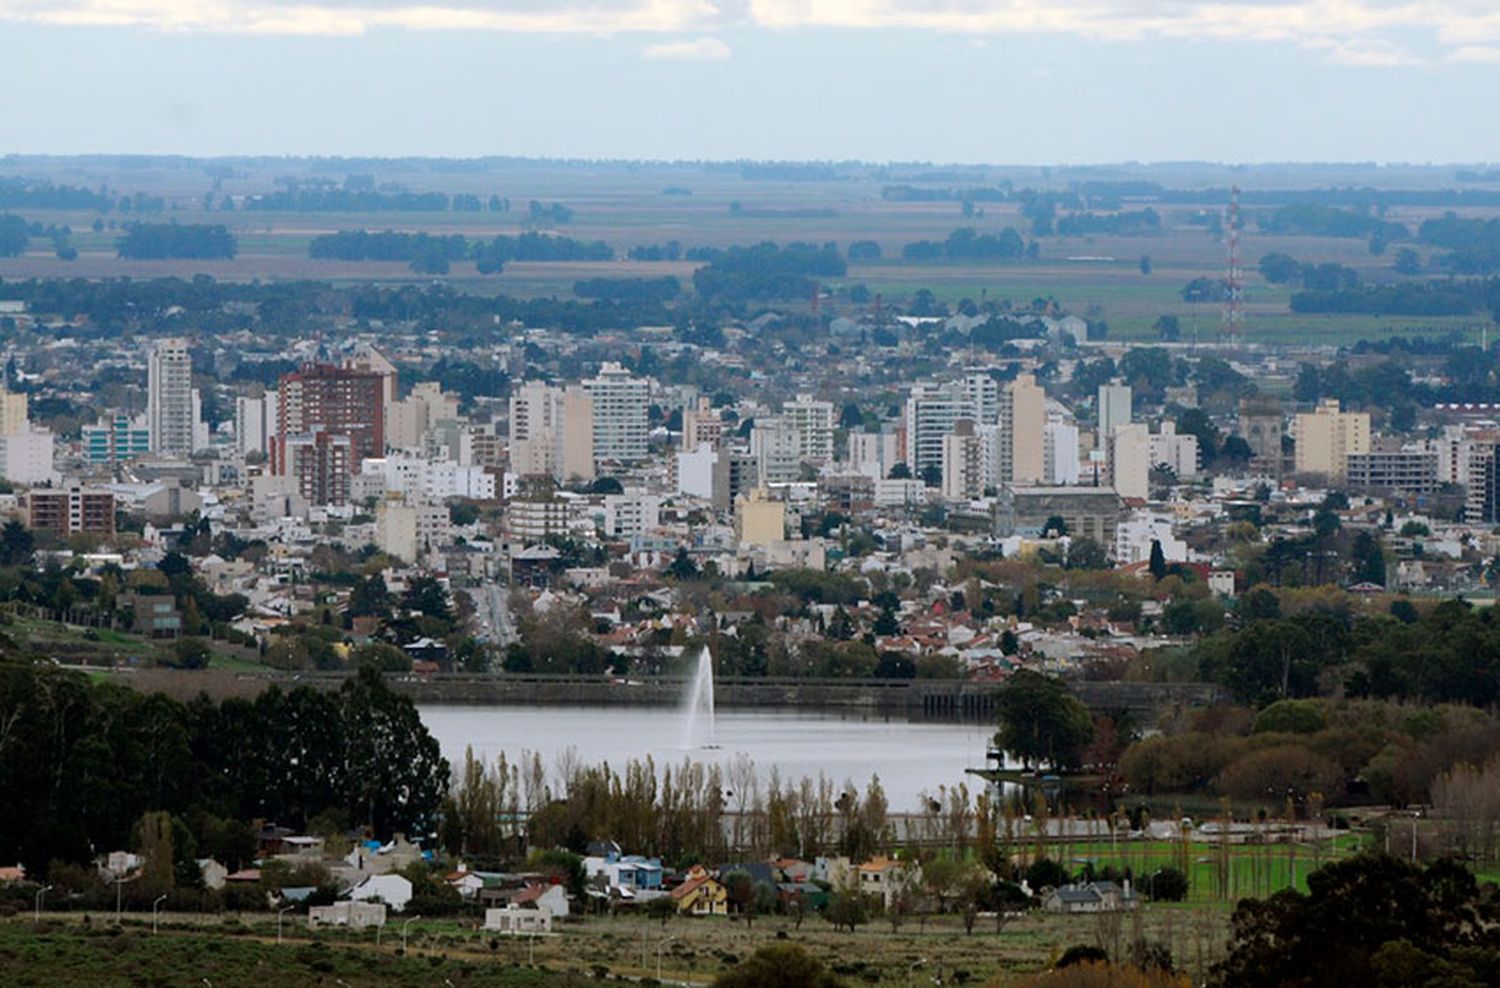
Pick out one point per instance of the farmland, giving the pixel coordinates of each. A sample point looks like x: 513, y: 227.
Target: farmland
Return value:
x: 629, y: 206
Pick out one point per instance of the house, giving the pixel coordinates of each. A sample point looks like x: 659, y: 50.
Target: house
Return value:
x: 701, y: 894
x: 552, y: 899
x: 354, y: 915
x: 628, y: 871
x: 1095, y: 897
x: 468, y: 883
x: 393, y: 890
x: 884, y: 878
x: 515, y: 920
x: 212, y: 873
x: 15, y: 874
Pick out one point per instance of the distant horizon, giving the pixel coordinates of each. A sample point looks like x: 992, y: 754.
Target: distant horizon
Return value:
x: 268, y: 156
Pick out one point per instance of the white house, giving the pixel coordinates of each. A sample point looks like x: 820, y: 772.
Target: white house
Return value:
x: 355, y: 915
x: 513, y: 919
x: 393, y: 890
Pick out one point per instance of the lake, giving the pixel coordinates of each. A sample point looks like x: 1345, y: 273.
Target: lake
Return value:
x: 909, y: 756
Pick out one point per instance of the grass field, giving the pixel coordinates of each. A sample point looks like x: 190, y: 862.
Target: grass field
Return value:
x: 1099, y: 275
x: 243, y: 951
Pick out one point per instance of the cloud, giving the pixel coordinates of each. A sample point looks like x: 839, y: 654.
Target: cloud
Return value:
x: 1476, y: 54
x: 1379, y: 33
x: 703, y: 49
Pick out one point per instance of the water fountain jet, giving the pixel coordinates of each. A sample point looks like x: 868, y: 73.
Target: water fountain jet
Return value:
x: 698, y: 705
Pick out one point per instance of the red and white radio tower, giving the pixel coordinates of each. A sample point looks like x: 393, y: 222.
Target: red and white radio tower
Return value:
x: 1234, y: 275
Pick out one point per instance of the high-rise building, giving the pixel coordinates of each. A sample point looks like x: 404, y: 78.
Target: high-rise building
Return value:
x: 1128, y: 460
x: 930, y: 415
x: 255, y: 427
x: 26, y: 456
x: 552, y: 432
x: 1061, y: 457
x: 621, y: 404
x: 116, y: 439
x: 963, y: 462
x: 14, y: 414
x: 337, y: 401
x: 1023, y: 422
x: 701, y: 426
x: 1114, y: 408
x: 873, y: 453
x: 1176, y: 451
x: 1325, y: 438
x: 321, y: 463
x: 171, y: 404
x: 776, y: 446
x: 983, y: 392
x: 813, y: 423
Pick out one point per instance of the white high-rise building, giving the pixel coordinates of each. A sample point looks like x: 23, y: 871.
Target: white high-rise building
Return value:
x: 963, y: 462
x: 930, y: 415
x: 621, y: 419
x: 873, y: 453
x: 776, y: 445
x: 630, y: 514
x: 255, y: 427
x: 170, y: 402
x: 983, y: 392
x: 1114, y: 408
x: 26, y: 457
x: 1177, y: 451
x: 813, y: 422
x: 1062, y: 453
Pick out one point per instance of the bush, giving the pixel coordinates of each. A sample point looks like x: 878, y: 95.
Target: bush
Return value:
x: 1166, y: 885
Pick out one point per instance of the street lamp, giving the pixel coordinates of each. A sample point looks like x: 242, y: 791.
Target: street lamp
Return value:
x: 39, y: 893
x: 280, y: 913
x: 155, y: 905
x: 659, y: 946
x: 403, y: 931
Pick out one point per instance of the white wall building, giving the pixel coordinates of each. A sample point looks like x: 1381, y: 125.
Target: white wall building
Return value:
x: 1114, y: 409
x: 620, y: 411
x: 26, y: 457
x: 1134, y: 535
x: 415, y: 476
x: 171, y: 405
x: 631, y: 514
x: 813, y: 422
x: 872, y: 454
x: 1176, y: 451
x: 255, y: 425
x: 1061, y: 454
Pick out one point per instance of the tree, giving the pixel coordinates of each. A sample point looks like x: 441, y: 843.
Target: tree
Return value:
x: 778, y: 965
x: 16, y: 544
x: 900, y: 471
x: 1086, y: 553
x: 1168, y: 329
x: 1158, y: 562
x: 1055, y: 525
x: 1407, y: 262
x: 1368, y: 559
x: 1166, y: 885
x: 846, y: 909
x: 1278, y: 269
x: 740, y: 888
x: 1041, y: 722
x: 682, y: 566
x: 1367, y: 920
x: 661, y: 908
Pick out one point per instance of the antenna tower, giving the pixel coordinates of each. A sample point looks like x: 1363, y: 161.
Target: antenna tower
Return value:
x: 1234, y: 275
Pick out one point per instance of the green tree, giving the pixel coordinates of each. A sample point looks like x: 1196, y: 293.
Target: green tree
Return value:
x: 16, y: 544
x: 1041, y: 722
x: 1158, y: 562
x: 1368, y: 920
x: 846, y: 909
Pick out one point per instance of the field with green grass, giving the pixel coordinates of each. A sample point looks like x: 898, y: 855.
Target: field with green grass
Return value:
x: 1098, y: 275
x: 242, y: 951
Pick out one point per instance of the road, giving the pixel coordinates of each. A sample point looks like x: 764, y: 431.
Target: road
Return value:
x: 492, y: 614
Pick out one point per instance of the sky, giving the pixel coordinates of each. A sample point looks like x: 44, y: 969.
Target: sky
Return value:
x: 998, y: 81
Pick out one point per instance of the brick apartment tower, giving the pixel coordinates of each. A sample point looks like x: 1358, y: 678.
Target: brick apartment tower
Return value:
x: 336, y: 401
